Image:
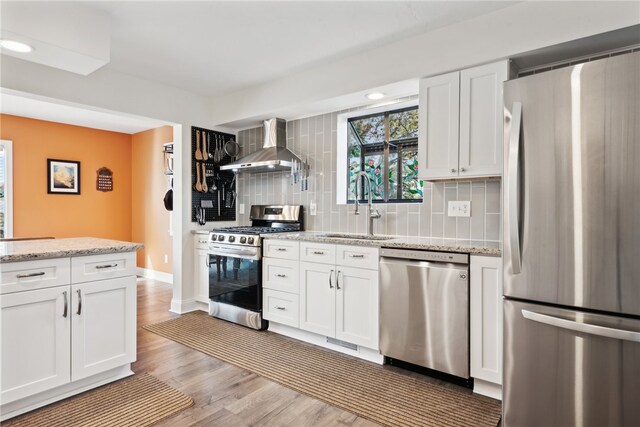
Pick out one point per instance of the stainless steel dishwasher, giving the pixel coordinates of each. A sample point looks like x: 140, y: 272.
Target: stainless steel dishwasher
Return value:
x: 424, y: 309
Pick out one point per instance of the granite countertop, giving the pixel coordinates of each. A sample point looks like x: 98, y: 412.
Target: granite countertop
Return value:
x: 26, y: 250
x: 200, y: 231
x: 473, y: 247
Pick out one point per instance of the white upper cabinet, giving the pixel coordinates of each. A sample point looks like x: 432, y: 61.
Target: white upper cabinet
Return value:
x: 461, y: 123
x: 438, y: 116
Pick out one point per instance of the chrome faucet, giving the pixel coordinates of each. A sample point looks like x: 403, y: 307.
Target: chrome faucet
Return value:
x: 373, y: 213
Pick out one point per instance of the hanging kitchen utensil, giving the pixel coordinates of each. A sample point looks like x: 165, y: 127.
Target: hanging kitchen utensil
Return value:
x: 168, y: 200
x: 204, y: 179
x: 198, y: 152
x: 232, y: 148
x: 205, y: 155
x: 209, y: 147
x: 198, y: 183
x: 231, y: 195
x: 214, y: 187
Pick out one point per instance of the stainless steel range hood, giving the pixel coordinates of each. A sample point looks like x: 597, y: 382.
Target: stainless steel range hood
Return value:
x: 273, y: 156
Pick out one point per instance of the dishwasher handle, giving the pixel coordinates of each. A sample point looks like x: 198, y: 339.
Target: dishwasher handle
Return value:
x: 419, y: 255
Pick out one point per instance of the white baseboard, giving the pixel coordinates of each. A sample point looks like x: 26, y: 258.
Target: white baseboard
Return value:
x: 488, y: 389
x: 321, y: 341
x: 184, y: 306
x: 154, y: 275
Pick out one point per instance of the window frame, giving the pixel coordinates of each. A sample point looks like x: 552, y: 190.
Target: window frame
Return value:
x: 343, y: 122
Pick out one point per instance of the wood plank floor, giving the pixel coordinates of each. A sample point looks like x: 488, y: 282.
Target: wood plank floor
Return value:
x: 224, y: 395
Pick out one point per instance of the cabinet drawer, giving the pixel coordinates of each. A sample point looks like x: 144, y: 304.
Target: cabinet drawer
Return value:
x: 201, y: 241
x: 318, y: 252
x: 358, y: 256
x: 280, y: 307
x: 280, y: 275
x: 284, y: 249
x: 35, y: 274
x: 99, y: 267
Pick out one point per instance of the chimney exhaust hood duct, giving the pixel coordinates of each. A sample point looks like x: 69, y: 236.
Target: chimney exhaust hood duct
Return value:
x: 273, y: 156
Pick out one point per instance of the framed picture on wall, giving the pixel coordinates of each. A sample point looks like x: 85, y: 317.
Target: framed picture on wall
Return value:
x: 63, y: 176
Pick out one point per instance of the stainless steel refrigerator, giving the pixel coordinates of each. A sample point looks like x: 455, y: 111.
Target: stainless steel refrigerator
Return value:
x: 572, y: 246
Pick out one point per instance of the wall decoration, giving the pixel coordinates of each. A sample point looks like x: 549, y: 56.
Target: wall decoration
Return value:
x: 104, y: 180
x: 63, y: 176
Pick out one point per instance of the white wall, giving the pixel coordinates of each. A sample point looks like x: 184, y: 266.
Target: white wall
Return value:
x: 119, y: 92
x: 520, y: 28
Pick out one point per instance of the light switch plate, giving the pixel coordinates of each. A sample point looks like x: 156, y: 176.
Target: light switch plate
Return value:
x: 241, y: 208
x: 313, y: 208
x: 460, y: 208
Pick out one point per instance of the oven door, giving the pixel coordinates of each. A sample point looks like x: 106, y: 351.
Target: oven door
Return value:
x: 235, y: 277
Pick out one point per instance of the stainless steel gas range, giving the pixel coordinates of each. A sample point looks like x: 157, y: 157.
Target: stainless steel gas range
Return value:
x: 235, y: 263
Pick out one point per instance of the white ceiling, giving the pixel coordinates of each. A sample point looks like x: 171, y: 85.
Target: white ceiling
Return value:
x: 54, y: 111
x: 215, y: 47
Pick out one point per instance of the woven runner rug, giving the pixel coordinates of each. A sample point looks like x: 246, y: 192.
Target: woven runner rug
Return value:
x: 140, y: 400
x: 374, y: 392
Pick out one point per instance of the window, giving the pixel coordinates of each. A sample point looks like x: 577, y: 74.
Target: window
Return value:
x: 6, y: 190
x: 385, y: 146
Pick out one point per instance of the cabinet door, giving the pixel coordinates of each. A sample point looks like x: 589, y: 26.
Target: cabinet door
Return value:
x: 103, y: 325
x: 357, y: 306
x: 438, y: 126
x: 36, y: 343
x: 486, y: 318
x: 201, y: 275
x: 481, y: 118
x: 317, y: 298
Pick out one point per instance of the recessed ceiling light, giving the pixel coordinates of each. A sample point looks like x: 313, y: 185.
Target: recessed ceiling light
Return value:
x: 375, y: 95
x: 16, y: 46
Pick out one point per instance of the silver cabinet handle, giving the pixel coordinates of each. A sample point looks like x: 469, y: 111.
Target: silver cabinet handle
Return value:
x: 281, y: 249
x: 203, y: 241
x: 79, y: 302
x: 463, y: 170
x: 100, y: 267
x: 66, y: 304
x: 338, y: 280
x: 318, y: 253
x: 454, y: 170
x: 512, y: 209
x: 280, y: 275
x: 330, y: 282
x: 357, y: 256
x: 603, y: 331
x: 23, y: 275
x: 279, y: 307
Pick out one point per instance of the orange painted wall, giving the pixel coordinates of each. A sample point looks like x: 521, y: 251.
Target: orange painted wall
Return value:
x: 150, y: 220
x: 92, y: 213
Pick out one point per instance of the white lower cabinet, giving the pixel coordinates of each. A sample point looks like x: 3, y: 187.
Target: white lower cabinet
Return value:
x: 101, y: 334
x: 36, y: 339
x: 486, y: 318
x: 201, y: 268
x: 60, y: 340
x: 341, y: 301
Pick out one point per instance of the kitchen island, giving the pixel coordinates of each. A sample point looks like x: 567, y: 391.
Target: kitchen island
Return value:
x: 68, y: 312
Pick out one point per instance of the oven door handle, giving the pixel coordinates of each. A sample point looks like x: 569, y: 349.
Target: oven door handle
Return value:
x: 236, y: 253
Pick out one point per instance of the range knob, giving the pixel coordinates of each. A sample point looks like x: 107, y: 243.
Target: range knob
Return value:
x: 214, y: 237
x: 251, y: 240
x: 232, y: 239
x: 221, y: 238
x: 243, y: 240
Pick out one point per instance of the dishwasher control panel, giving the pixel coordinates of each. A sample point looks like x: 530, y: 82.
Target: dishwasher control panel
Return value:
x: 425, y: 255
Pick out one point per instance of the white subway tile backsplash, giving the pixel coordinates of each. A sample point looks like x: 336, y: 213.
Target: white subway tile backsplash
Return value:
x: 315, y: 138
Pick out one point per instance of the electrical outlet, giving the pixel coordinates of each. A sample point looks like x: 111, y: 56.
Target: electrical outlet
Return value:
x: 460, y: 208
x: 241, y: 208
x: 313, y: 208
x: 166, y: 259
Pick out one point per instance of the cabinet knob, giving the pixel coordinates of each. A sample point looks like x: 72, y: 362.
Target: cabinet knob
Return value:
x: 280, y: 275
x: 463, y: 170
x: 279, y: 307
x: 454, y: 170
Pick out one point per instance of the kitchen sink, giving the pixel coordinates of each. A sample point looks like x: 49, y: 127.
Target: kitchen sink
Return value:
x: 354, y: 236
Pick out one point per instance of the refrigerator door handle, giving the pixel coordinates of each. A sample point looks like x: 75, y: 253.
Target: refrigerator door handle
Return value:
x: 512, y: 210
x: 603, y: 331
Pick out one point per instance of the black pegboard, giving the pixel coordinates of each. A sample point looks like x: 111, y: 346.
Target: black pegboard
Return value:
x: 224, y: 178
